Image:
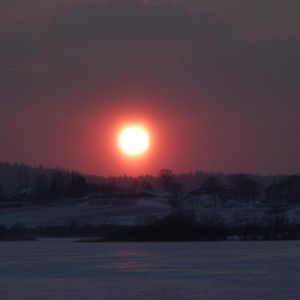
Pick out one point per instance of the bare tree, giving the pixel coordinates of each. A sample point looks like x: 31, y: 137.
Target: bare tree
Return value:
x: 213, y: 186
x: 247, y: 188
x: 169, y: 183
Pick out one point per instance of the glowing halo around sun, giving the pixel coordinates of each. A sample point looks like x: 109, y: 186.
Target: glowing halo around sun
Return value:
x: 134, y: 140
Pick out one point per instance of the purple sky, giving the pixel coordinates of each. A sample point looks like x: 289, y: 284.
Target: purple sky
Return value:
x: 217, y: 83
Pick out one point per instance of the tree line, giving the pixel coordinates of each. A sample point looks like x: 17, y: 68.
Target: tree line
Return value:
x: 42, y: 185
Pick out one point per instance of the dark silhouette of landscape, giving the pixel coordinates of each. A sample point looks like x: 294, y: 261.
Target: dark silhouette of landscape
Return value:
x: 193, y: 206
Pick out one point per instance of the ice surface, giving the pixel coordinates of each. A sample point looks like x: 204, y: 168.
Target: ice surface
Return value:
x: 62, y: 270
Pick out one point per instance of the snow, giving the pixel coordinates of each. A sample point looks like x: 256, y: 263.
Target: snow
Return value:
x: 83, y: 213
x: 62, y: 270
x: 229, y: 212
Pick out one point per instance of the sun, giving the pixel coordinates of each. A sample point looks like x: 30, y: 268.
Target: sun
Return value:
x: 134, y: 140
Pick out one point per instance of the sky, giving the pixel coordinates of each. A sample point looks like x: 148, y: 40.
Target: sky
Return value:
x: 215, y: 82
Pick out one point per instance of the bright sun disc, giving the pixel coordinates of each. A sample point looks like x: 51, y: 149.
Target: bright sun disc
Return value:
x: 134, y: 140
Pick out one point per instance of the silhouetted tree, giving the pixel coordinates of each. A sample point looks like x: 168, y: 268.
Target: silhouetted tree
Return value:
x: 147, y: 186
x: 107, y: 188
x: 2, y: 195
x: 53, y: 189
x: 247, y: 188
x: 168, y: 181
x: 213, y: 186
x: 40, y: 188
x: 287, y: 190
x: 77, y: 186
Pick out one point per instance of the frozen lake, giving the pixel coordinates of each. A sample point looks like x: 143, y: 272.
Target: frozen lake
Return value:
x: 62, y: 270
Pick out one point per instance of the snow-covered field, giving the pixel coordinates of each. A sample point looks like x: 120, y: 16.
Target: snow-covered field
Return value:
x: 62, y: 270
x: 84, y: 212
